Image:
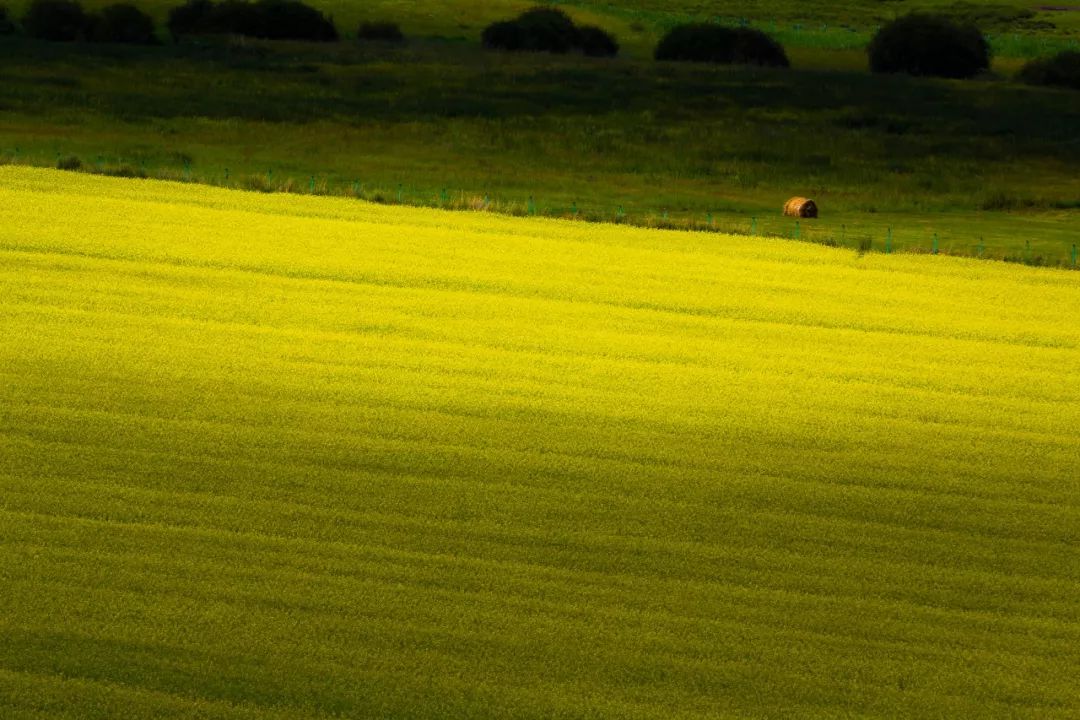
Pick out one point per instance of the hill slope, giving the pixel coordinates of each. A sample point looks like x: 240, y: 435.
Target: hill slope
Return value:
x: 266, y: 456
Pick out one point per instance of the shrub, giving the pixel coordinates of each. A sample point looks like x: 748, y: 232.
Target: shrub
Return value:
x: 545, y: 29
x: 596, y: 42
x: 505, y: 35
x: 1062, y: 70
x: 380, y: 31
x: 192, y: 18
x: 548, y: 30
x: 925, y: 44
x: 268, y: 19
x: 292, y: 20
x: 123, y: 23
x: 704, y: 42
x: 71, y: 162
x: 7, y: 25
x: 234, y: 17
x: 56, y: 20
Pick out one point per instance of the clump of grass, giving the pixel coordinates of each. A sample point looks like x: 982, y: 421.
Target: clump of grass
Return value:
x: 1002, y: 201
x: 123, y: 171
x: 1062, y: 70
x: 256, y: 183
x: 71, y: 162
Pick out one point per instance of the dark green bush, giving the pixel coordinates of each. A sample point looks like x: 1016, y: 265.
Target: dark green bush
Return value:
x: 122, y: 23
x: 1062, y: 70
x: 596, y: 42
x: 7, y: 25
x: 548, y: 30
x: 545, y: 29
x: 71, y: 162
x: 56, y: 20
x: 195, y: 17
x: 926, y: 44
x: 382, y: 31
x: 292, y: 20
x: 705, y: 42
x: 268, y: 19
x: 504, y: 35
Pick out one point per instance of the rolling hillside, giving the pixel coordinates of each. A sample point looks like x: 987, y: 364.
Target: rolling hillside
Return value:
x: 302, y: 457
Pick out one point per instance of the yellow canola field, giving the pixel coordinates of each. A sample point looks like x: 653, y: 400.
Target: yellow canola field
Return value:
x: 268, y: 454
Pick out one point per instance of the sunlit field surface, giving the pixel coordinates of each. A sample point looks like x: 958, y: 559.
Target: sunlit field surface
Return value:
x: 265, y: 456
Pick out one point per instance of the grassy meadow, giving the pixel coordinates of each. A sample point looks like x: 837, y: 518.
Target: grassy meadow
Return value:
x: 284, y: 456
x: 985, y: 167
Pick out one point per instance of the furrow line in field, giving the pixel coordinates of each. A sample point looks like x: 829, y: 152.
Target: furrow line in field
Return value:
x: 359, y: 451
x: 1071, y: 341
x: 755, y: 582
x: 598, y: 618
x: 856, y: 549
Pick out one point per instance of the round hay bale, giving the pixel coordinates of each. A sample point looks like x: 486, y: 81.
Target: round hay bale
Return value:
x: 800, y: 207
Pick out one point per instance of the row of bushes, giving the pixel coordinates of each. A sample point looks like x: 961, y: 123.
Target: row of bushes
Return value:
x: 917, y: 44
x: 66, y: 21
x: 268, y: 19
x: 935, y: 45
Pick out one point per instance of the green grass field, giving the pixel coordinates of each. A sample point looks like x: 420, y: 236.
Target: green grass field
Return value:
x: 986, y: 166
x: 269, y: 456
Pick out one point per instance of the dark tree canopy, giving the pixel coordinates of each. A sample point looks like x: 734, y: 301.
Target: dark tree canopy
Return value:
x: 546, y: 29
x: 7, y: 25
x: 122, y: 23
x: 269, y: 19
x: 927, y: 44
x: 56, y: 20
x: 706, y: 42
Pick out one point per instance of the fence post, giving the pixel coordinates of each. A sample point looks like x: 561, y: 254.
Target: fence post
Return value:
x: 1074, y: 255
x: 311, y: 184
x: 888, y: 241
x: 934, y: 247
x: 982, y: 247
x: 399, y: 193
x: 620, y: 214
x: 226, y: 176
x: 573, y: 208
x: 798, y: 230
x: 532, y: 205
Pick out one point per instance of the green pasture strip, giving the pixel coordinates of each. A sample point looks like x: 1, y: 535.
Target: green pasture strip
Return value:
x: 285, y: 456
x: 973, y: 168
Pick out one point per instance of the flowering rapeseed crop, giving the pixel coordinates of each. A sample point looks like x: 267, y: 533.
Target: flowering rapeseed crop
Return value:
x: 271, y: 456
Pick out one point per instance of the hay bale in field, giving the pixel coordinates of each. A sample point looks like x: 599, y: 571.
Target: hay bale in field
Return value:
x: 800, y: 207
